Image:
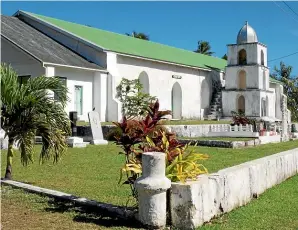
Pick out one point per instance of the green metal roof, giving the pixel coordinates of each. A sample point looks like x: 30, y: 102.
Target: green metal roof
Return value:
x: 273, y: 80
x: 133, y: 46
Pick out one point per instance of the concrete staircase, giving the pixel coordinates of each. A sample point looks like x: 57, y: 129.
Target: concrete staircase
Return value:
x: 215, y: 106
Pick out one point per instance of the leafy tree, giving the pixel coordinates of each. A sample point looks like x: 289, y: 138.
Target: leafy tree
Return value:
x: 138, y: 35
x: 290, y: 85
x: 204, y: 48
x: 28, y: 108
x: 225, y: 57
x: 134, y: 101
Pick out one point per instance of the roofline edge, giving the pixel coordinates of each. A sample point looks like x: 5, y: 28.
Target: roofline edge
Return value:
x: 74, y: 67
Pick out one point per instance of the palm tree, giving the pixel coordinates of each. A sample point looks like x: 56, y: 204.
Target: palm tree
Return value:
x: 204, y: 48
x: 28, y: 108
x: 138, y: 35
x: 225, y: 57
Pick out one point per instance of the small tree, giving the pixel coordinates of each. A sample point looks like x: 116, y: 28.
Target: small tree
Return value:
x: 134, y: 101
x: 290, y: 85
x: 28, y: 108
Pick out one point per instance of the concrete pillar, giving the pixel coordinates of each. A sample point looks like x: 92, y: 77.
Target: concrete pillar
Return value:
x: 151, y: 188
x: 236, y: 128
x: 240, y: 127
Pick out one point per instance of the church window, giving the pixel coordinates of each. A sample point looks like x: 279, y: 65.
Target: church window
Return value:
x: 262, y: 57
x: 144, y: 80
x: 242, y: 57
x: 242, y: 80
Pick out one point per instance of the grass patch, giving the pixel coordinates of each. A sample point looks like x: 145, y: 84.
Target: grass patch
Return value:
x: 275, y: 209
x: 219, y: 138
x: 168, y: 122
x: 37, y: 212
x: 93, y: 172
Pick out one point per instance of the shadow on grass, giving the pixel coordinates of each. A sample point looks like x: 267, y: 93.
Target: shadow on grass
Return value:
x: 94, y: 215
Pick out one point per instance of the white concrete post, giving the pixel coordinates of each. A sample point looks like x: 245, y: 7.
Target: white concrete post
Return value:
x: 151, y: 188
x: 247, y: 127
x: 274, y: 129
x: 235, y: 128
x: 230, y: 128
x: 240, y: 127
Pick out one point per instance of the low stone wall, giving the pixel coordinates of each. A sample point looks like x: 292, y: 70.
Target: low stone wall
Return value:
x: 221, y: 144
x: 85, y: 131
x: 195, y: 203
x: 233, y: 134
x: 270, y: 139
x: 193, y: 130
x: 180, y: 130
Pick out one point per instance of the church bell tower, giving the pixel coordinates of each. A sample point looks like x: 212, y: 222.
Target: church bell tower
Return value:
x: 247, y: 76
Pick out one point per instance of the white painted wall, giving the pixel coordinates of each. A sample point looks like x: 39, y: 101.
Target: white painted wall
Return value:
x: 161, y: 82
x: 254, y: 77
x: 80, y: 78
x: 253, y: 52
x: 252, y: 102
x: 20, y: 61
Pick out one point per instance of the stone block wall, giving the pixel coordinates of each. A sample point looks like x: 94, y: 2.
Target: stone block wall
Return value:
x: 180, y: 130
x: 197, y: 202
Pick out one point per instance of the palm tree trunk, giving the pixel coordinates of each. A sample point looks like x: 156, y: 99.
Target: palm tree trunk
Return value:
x: 9, y: 160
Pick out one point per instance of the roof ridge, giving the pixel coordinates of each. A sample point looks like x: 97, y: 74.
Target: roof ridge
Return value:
x: 122, y: 35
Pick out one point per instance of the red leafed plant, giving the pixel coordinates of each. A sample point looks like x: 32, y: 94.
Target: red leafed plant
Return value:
x: 147, y: 135
x: 241, y: 119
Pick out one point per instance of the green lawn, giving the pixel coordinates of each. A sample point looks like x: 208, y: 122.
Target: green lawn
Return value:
x: 275, y: 209
x: 182, y: 122
x: 219, y: 138
x: 25, y: 211
x: 93, y: 172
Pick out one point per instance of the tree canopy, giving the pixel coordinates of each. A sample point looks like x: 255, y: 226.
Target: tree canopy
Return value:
x: 138, y: 35
x: 290, y: 86
x: 204, y: 47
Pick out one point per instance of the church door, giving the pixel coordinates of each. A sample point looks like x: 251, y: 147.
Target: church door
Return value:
x: 176, y: 101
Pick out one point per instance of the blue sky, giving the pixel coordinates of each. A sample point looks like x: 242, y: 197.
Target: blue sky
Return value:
x: 182, y: 24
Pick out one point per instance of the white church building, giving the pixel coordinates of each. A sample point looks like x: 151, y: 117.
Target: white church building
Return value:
x: 92, y: 62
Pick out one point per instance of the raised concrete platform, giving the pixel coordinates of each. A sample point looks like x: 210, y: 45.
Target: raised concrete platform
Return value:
x: 98, y: 142
x: 76, y: 142
x: 197, y: 202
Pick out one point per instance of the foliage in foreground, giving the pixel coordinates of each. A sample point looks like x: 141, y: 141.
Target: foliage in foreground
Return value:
x: 28, y: 108
x: 139, y: 136
x: 134, y: 101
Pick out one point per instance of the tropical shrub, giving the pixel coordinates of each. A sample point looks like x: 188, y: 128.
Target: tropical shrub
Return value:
x: 146, y: 135
x: 241, y: 119
x: 27, y: 109
x: 134, y: 101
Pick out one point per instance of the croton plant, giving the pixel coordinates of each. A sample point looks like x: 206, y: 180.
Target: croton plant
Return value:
x: 148, y: 135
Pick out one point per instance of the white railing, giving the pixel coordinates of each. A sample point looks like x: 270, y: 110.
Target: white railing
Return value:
x: 230, y: 128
